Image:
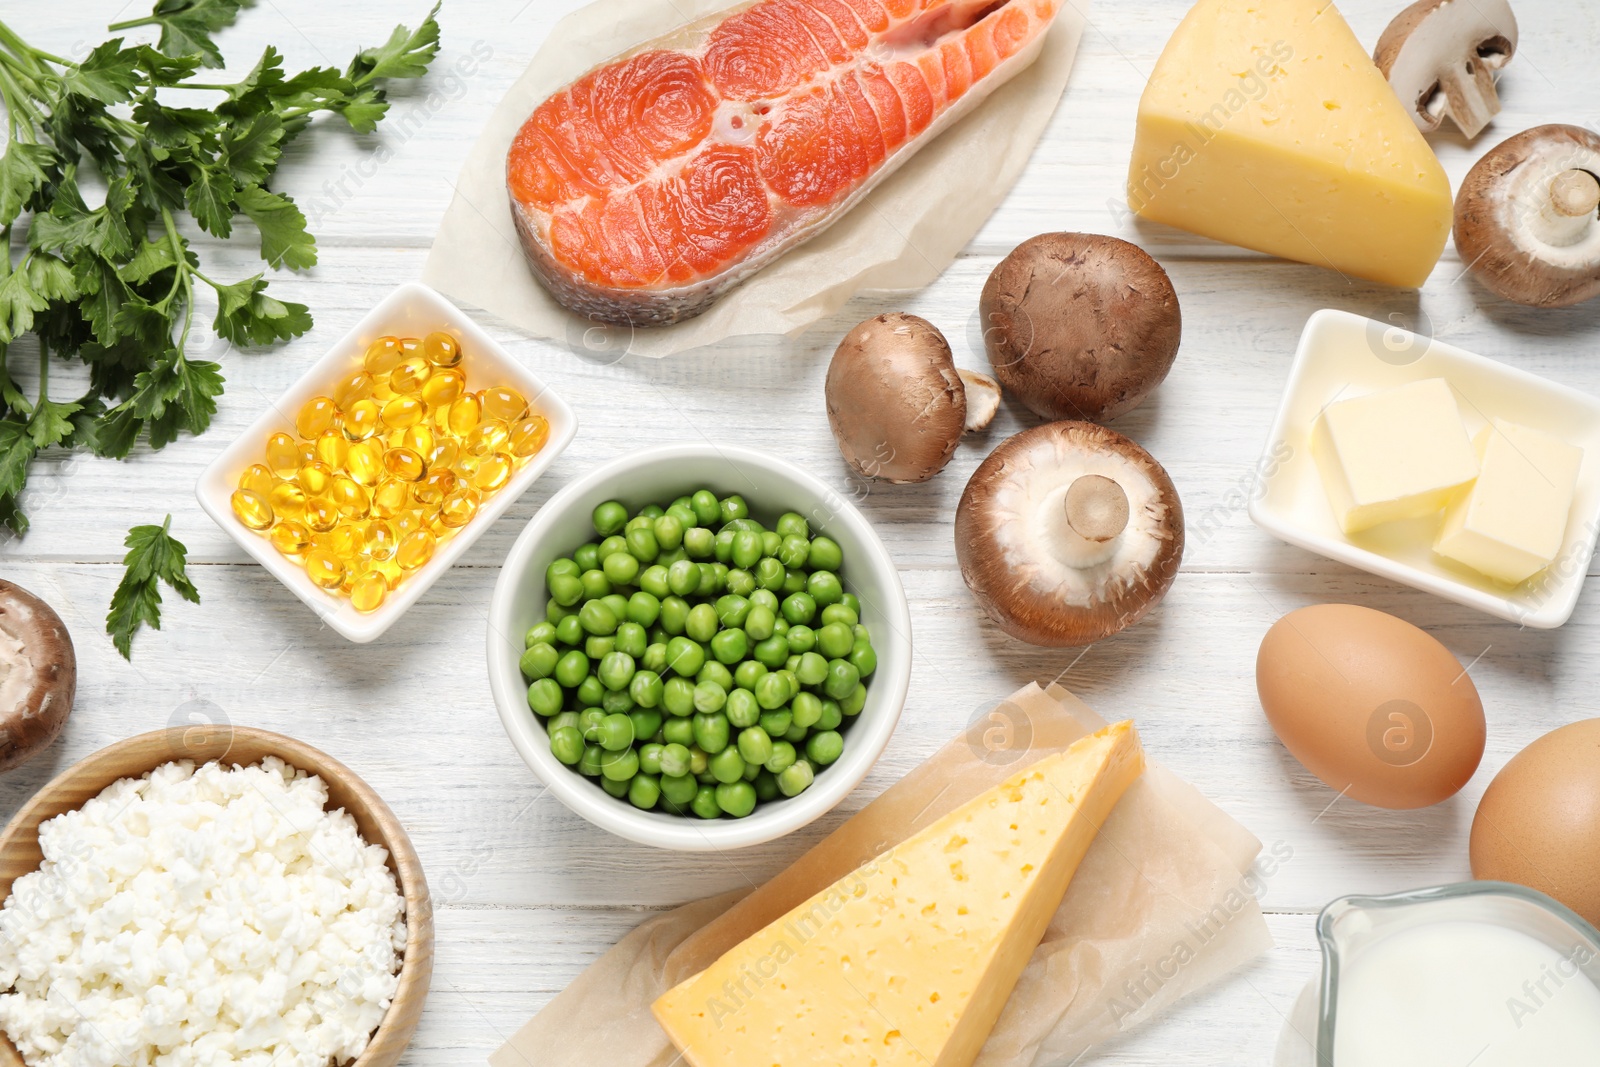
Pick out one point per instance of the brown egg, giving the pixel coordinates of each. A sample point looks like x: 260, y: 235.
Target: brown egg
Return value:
x: 1370, y: 704
x: 1539, y: 821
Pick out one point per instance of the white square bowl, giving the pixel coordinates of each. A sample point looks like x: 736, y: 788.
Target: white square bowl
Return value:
x: 1343, y: 355
x: 412, y: 310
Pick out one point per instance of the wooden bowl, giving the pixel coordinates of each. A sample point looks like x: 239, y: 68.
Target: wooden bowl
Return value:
x: 20, y: 854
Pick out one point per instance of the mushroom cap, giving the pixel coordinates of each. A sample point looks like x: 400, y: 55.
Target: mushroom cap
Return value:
x: 38, y: 675
x: 1440, y: 56
x: 1023, y: 561
x: 1080, y: 325
x: 1504, y: 206
x: 895, y: 400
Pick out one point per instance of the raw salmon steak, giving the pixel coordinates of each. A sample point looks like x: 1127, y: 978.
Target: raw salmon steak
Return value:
x: 657, y: 181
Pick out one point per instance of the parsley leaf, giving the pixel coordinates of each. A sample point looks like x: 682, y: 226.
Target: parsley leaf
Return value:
x: 247, y: 316
x: 187, y: 26
x: 284, y: 240
x: 108, y: 74
x: 406, y: 54
x: 154, y: 556
x: 51, y: 423
x: 22, y: 173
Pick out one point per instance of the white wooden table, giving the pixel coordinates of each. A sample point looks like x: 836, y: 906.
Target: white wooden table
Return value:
x: 527, y: 893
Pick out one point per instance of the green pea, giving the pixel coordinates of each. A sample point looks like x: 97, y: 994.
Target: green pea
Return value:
x: 618, y: 789
x: 674, y: 614
x: 711, y: 733
x: 620, y: 568
x: 589, y: 762
x: 674, y: 760
x: 669, y: 556
x: 730, y: 646
x: 646, y: 724
x: 562, y: 565
x: 744, y: 524
x: 589, y: 720
x: 772, y: 652
x: 825, y: 554
x: 751, y: 770
x: 737, y: 799
x: 801, y: 639
x: 741, y: 582
x: 569, y: 670
x: 755, y: 745
x: 643, y: 609
x: 701, y: 625
x: 650, y: 757
x: 796, y: 735
x: 722, y: 547
x: 796, y: 779
x: 617, y: 603
x: 852, y: 602
x: 614, y: 733
x: 742, y: 709
x: 616, y: 702
x: 806, y: 709
x: 681, y: 510
x: 864, y: 659
x: 590, y: 692
x: 766, y: 786
x: 824, y: 587
x: 799, y: 608
x: 609, y: 518
x: 842, y: 679
x: 646, y: 689
x: 824, y: 748
x: 706, y: 507
x: 678, y: 732
x: 709, y: 697
x: 642, y: 544
x: 653, y: 580
x: 835, y: 640
x: 655, y: 657
x: 792, y: 524
x: 595, y: 584
x: 840, y: 613
x: 783, y: 757
x: 699, y: 542
x: 620, y: 765
x: 699, y: 760
x: 539, y: 661
x: 727, y: 766
x: 598, y: 648
x: 565, y: 589
x: 852, y: 704
x: 711, y: 580
x: 685, y: 656
x: 794, y: 581
x: 611, y: 546
x: 776, y: 723
x: 746, y: 549
x: 544, y: 697
x: 677, y: 696
x: 566, y: 745
x: 712, y: 671
x: 630, y: 638
x: 705, y: 803
x: 764, y: 598
x: 540, y: 633
x: 679, y: 788
x: 770, y: 543
x: 812, y: 670
x: 780, y: 628
x: 569, y: 631
x: 758, y: 622
x: 748, y: 673
x: 683, y: 577
x: 792, y: 663
x: 644, y: 792
x: 587, y: 557
x: 831, y: 716
x: 770, y: 574
x: 773, y: 692
x: 734, y: 507
x: 565, y: 718
x: 793, y: 552
x: 554, y: 612
x: 596, y: 618
x: 668, y: 531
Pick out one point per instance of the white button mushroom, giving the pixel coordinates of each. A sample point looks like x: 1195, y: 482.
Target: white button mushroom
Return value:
x: 1526, y: 218
x: 1441, y: 56
x: 896, y: 401
x: 38, y: 675
x: 1068, y: 533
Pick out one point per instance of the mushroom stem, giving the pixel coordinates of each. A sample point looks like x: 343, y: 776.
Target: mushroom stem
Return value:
x: 1096, y: 508
x: 1575, y: 193
x: 1565, y: 214
x: 1469, y: 96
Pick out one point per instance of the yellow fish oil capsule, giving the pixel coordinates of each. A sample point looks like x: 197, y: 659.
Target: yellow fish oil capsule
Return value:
x: 390, y: 497
x: 308, y: 452
x: 406, y: 523
x: 504, y: 403
x: 349, y: 497
x: 288, y: 500
x: 443, y: 387
x: 419, y: 439
x: 493, y: 472
x: 368, y: 592
x: 443, y: 454
x: 433, y: 488
x: 441, y: 349
x: 402, y: 412
x: 392, y: 574
x: 251, y: 508
x: 362, y: 419
x: 315, y: 477
x: 379, y: 540
x: 258, y: 479
x: 324, y: 568
x: 465, y: 412
x: 410, y: 375
x: 332, y: 447
x: 466, y: 465
x: 346, y: 541
x: 490, y: 435
x: 283, y: 455
x: 404, y: 464
x: 364, y: 462
x: 351, y: 388
x: 529, y: 436
x: 459, y: 508
x: 319, y: 415
x: 381, y: 357
x: 411, y: 346
x: 290, y: 537
x: 322, y: 514
x: 415, y: 550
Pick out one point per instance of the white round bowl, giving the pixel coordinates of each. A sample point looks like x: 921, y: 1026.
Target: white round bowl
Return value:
x: 770, y: 486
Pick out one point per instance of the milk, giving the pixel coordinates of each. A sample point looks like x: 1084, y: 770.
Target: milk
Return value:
x: 1450, y: 994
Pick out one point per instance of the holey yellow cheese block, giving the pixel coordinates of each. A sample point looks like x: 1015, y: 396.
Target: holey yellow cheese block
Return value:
x: 1267, y: 125
x: 908, y: 960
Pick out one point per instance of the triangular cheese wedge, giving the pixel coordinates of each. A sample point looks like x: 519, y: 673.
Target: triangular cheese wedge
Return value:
x: 1267, y: 125
x: 907, y: 961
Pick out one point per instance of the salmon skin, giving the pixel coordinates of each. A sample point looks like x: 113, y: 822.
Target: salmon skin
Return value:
x: 659, y: 180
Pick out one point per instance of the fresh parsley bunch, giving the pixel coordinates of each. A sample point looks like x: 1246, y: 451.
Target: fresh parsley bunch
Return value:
x: 114, y: 285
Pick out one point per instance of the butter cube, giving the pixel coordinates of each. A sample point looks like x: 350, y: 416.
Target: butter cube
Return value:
x: 1511, y: 523
x: 1396, y: 454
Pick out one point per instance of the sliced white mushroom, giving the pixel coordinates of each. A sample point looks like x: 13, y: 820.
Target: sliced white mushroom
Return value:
x: 1441, y: 58
x: 983, y: 399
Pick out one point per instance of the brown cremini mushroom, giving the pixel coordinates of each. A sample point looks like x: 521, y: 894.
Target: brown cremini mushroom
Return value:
x: 1080, y: 326
x: 1441, y: 57
x: 1527, y: 219
x: 896, y: 401
x: 1068, y: 533
x: 38, y: 675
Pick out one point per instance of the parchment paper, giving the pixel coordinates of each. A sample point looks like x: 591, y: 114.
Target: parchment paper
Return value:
x: 1160, y: 908
x: 900, y: 237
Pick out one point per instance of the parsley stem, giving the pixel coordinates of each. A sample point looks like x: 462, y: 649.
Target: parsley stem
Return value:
x: 44, y: 372
x: 148, y: 20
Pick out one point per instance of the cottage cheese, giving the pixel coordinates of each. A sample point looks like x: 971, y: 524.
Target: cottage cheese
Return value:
x: 198, y: 917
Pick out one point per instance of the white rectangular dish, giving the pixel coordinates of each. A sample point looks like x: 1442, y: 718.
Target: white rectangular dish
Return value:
x: 1343, y: 355
x: 411, y: 310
